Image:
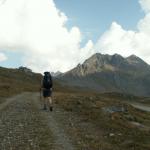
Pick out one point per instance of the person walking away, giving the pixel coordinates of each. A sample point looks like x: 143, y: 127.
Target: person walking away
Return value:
x: 47, y: 85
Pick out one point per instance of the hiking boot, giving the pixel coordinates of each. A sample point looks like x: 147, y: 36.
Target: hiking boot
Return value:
x: 51, y: 108
x: 44, y: 108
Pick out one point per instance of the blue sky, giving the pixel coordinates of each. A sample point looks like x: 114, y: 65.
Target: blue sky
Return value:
x: 13, y: 59
x: 94, y: 17
x: 46, y: 41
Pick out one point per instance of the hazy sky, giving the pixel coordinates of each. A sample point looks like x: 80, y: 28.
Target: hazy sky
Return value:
x: 58, y: 34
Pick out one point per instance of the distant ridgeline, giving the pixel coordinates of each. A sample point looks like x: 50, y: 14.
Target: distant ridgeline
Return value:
x: 110, y: 73
x: 25, y: 69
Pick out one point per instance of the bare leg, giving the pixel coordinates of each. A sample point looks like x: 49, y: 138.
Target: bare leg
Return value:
x: 50, y: 103
x: 45, y: 103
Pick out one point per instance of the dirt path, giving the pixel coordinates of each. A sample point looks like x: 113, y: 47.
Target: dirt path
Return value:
x: 9, y: 100
x: 140, y: 106
x: 62, y: 141
x: 24, y: 126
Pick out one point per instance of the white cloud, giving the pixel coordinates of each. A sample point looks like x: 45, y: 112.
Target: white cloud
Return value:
x: 127, y: 42
x: 2, y: 57
x: 145, y: 4
x: 116, y: 40
x: 37, y: 28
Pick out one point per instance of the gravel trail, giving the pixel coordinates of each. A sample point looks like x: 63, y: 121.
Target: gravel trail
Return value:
x: 24, y: 126
x: 140, y: 106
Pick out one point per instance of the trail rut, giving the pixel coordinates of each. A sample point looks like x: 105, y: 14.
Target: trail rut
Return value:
x: 25, y: 126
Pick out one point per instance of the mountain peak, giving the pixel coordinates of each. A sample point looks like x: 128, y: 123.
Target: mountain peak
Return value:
x: 116, y: 55
x: 111, y: 73
x: 133, y: 56
x: 96, y: 56
x: 98, y: 63
x: 109, y: 63
x: 133, y: 59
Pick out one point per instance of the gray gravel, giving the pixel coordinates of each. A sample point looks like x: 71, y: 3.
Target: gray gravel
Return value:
x: 24, y: 126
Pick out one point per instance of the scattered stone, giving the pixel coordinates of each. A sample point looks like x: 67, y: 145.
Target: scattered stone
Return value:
x: 79, y: 102
x: 130, y: 117
x: 111, y: 134
x: 91, y: 98
x: 113, y: 109
x: 20, y: 126
x: 120, y: 134
x: 140, y: 126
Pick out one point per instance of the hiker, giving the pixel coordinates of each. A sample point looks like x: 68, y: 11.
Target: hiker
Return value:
x: 47, y: 85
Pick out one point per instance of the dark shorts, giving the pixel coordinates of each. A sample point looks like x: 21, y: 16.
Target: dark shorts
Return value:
x: 47, y: 93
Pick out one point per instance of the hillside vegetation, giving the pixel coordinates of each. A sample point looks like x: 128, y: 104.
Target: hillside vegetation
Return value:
x: 14, y: 81
x: 104, y: 121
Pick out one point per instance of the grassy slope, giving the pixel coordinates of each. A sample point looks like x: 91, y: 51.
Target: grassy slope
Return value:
x: 88, y: 107
x: 14, y: 81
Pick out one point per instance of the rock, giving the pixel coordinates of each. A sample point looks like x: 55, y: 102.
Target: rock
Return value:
x: 55, y: 74
x: 130, y: 117
x: 120, y: 134
x: 113, y: 109
x: 91, y: 98
x: 111, y: 134
x: 139, y: 125
x: 79, y: 102
x: 26, y: 70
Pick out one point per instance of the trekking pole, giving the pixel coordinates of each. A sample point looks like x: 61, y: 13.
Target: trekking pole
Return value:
x: 40, y: 94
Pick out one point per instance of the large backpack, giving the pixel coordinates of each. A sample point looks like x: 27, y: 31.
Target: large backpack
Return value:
x: 47, y: 80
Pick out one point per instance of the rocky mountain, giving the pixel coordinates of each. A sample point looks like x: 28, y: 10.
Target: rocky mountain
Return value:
x: 111, y: 73
x: 55, y: 74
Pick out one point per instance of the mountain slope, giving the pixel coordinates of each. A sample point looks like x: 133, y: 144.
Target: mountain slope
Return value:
x: 13, y: 81
x: 111, y: 73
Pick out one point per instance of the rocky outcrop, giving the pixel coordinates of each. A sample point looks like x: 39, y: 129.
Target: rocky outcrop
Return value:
x: 112, y: 63
x: 25, y: 70
x: 55, y: 74
x: 111, y: 73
